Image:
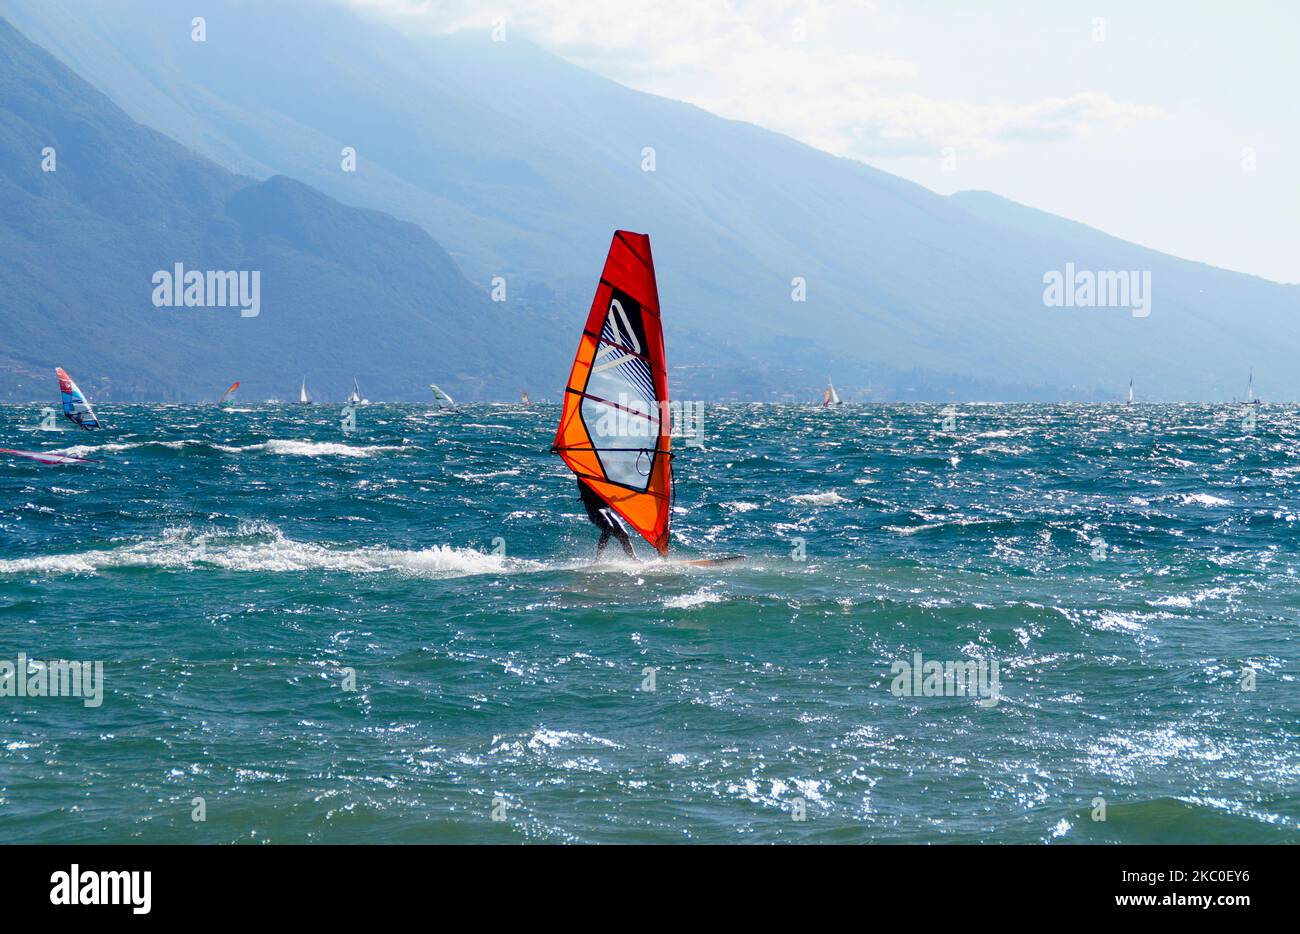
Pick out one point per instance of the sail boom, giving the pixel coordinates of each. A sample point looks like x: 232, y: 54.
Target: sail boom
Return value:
x: 583, y: 476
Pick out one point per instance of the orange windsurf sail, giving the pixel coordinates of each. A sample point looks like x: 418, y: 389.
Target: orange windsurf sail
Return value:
x: 614, y: 432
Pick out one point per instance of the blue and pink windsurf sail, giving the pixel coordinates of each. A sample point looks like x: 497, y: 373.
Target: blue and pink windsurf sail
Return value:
x: 75, y: 407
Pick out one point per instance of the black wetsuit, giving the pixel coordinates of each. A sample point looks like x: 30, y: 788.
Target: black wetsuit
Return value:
x: 603, y: 518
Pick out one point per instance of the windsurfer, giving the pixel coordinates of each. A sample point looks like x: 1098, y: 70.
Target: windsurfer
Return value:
x: 605, y: 519
x: 612, y: 433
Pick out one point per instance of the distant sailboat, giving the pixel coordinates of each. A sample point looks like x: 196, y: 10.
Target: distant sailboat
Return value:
x: 1250, y: 390
x: 1130, y: 390
x: 230, y: 394
x: 441, y: 397
x: 355, y: 397
x: 523, y: 396
x: 832, y: 397
x: 303, y: 398
x: 75, y: 407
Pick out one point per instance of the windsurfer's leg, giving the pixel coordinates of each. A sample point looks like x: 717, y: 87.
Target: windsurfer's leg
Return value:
x: 627, y: 544
x: 600, y: 547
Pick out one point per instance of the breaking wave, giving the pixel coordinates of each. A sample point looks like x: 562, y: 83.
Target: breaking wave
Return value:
x: 262, y: 547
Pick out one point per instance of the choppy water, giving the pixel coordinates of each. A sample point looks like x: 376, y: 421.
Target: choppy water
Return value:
x: 227, y: 567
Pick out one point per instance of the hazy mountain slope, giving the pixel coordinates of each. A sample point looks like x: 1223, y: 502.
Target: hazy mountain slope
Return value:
x: 344, y: 291
x: 521, y: 164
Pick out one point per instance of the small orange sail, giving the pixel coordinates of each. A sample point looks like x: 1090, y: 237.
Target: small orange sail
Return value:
x: 614, y: 431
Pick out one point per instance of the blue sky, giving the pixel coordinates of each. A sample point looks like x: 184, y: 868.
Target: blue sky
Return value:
x: 1175, y: 125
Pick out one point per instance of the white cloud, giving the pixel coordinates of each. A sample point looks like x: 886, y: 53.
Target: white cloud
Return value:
x: 793, y: 66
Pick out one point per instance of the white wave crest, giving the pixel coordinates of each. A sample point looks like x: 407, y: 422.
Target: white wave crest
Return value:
x: 261, y: 547
x: 301, y: 448
x: 818, y: 499
x: 312, y: 448
x: 487, y: 475
x: 688, y: 600
x: 82, y: 450
x: 1204, y: 499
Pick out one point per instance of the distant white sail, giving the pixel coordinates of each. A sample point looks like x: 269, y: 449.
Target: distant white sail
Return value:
x: 355, y: 398
x: 1130, y: 390
x: 303, y: 398
x: 441, y: 397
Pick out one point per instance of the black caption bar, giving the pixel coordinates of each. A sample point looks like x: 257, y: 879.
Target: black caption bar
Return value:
x: 333, y: 883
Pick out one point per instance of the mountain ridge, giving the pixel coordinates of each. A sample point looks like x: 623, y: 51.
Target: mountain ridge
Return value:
x: 520, y: 164
x: 82, y: 244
